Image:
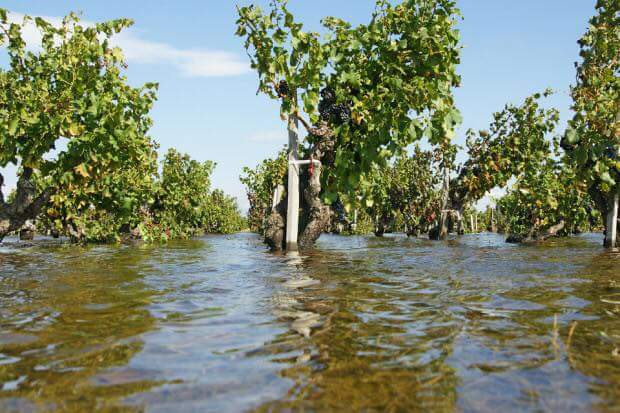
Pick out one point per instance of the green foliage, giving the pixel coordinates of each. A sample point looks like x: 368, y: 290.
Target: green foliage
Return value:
x: 592, y: 140
x: 222, y: 215
x: 407, y: 190
x: 102, y: 181
x: 97, y: 215
x: 415, y: 188
x: 516, y: 143
x: 546, y: 190
x: 280, y: 50
x: 394, y: 74
x: 184, y: 203
x: 542, y: 198
x: 364, y: 224
x: 260, y: 183
x: 183, y: 194
x: 71, y: 93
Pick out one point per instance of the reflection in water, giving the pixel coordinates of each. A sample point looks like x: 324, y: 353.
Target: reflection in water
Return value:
x: 70, y: 320
x: 389, y: 324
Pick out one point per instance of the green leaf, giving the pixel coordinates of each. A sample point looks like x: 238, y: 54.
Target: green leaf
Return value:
x: 606, y: 177
x: 13, y: 124
x: 572, y: 136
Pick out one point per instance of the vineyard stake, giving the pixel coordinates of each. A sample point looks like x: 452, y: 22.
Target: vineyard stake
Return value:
x: 292, y: 209
x: 612, y: 223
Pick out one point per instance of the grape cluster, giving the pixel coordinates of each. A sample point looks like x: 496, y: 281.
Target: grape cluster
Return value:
x: 328, y: 94
x: 328, y: 99
x: 283, y: 89
x: 341, y: 114
x: 337, y: 113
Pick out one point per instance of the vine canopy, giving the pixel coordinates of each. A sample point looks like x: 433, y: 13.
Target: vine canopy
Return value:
x: 394, y: 75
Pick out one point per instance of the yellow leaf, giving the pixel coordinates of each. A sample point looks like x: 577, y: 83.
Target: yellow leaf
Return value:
x: 81, y: 170
x: 74, y: 129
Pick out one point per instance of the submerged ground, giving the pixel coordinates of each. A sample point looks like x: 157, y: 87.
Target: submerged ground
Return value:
x: 218, y: 324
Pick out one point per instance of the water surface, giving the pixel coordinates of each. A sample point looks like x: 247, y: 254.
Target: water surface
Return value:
x: 361, y: 324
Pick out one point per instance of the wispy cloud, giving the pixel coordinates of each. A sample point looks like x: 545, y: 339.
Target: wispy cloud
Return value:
x: 194, y: 63
x: 269, y: 136
x: 188, y: 62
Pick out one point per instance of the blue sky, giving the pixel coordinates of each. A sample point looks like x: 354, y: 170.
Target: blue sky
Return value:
x: 207, y: 103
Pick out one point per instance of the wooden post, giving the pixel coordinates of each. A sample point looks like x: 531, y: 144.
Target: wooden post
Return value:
x: 292, y: 214
x: 443, y: 224
x: 611, y: 240
x: 612, y: 224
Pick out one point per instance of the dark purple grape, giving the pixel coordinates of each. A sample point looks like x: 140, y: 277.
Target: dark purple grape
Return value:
x: 283, y: 89
x: 328, y: 95
x: 325, y: 109
x: 340, y: 114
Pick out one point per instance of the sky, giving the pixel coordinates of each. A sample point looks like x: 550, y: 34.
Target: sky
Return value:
x: 207, y: 104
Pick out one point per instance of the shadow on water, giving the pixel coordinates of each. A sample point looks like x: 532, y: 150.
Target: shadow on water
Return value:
x: 360, y: 324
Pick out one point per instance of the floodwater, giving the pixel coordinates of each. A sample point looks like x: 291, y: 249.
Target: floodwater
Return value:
x: 361, y: 324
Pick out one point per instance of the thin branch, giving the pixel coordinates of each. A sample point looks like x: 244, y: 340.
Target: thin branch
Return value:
x: 303, y: 121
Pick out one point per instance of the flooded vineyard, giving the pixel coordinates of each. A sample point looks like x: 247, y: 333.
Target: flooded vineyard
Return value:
x: 360, y: 324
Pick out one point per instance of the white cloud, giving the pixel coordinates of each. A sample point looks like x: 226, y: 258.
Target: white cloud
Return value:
x: 193, y: 63
x: 269, y: 136
x: 189, y: 62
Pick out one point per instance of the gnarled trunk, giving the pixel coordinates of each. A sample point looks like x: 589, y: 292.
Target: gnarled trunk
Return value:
x: 532, y: 236
x: 275, y: 230
x: 26, y: 205
x: 441, y: 231
x: 460, y: 227
x: 316, y: 215
x: 26, y: 233
x: 381, y: 224
x: 607, y: 205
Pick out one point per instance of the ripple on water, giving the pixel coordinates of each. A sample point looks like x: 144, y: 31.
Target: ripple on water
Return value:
x: 359, y: 324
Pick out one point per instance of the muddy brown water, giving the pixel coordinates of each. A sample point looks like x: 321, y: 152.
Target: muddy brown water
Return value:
x: 361, y: 324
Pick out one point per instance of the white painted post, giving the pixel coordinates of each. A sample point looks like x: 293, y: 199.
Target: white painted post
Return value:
x: 471, y: 223
x: 612, y: 224
x: 443, y: 224
x: 612, y: 215
x: 277, y: 196
x: 292, y: 214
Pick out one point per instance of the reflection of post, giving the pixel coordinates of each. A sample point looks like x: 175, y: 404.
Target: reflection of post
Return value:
x: 292, y: 214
